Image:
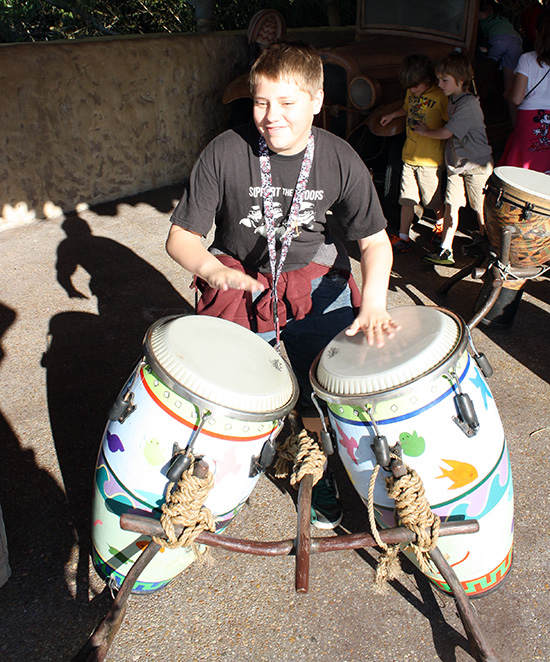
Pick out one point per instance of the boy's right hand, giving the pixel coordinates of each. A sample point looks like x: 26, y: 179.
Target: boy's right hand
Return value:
x: 386, y: 119
x: 224, y: 278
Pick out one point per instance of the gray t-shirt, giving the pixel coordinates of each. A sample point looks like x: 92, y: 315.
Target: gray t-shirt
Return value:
x: 225, y: 187
x: 468, y: 147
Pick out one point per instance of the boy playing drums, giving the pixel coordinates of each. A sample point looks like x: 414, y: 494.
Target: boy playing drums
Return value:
x: 273, y: 265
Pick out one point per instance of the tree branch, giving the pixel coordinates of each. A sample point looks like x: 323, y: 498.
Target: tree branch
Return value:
x: 83, y: 13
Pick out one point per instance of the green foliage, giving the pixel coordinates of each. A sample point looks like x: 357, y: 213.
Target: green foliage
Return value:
x: 45, y: 20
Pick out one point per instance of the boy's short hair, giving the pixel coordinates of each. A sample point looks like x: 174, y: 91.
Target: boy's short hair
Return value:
x: 458, y: 66
x: 415, y: 70
x: 295, y: 62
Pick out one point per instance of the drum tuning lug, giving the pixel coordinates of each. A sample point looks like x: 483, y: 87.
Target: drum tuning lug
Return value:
x: 260, y: 463
x: 467, y: 418
x: 381, y: 451
x: 180, y: 463
x: 468, y: 431
x: 484, y: 365
x: 481, y: 360
x: 122, y: 407
x: 182, y: 460
x: 326, y: 442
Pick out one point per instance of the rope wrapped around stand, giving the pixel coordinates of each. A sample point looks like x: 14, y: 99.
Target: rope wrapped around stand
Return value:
x: 305, y: 453
x: 412, y: 511
x: 184, y: 506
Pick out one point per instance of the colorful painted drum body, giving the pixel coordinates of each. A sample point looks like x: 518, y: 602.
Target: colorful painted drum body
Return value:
x: 195, y: 370
x: 411, y: 388
x: 519, y: 198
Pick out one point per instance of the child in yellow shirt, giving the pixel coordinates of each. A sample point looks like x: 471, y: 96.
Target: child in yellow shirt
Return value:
x: 423, y: 158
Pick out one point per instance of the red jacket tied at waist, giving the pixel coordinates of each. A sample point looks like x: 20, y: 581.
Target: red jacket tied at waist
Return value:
x: 293, y: 289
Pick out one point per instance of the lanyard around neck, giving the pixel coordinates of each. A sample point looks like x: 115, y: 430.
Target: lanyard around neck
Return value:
x: 291, y: 223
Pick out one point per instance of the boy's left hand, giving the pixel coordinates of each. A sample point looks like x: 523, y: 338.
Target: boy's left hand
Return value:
x: 420, y: 128
x: 376, y: 324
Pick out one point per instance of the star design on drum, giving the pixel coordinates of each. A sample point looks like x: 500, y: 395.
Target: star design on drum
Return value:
x: 480, y: 383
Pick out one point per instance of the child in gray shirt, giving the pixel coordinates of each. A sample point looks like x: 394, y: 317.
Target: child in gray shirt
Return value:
x: 468, y: 155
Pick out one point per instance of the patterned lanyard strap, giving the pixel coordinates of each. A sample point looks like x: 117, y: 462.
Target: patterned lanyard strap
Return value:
x: 292, y: 220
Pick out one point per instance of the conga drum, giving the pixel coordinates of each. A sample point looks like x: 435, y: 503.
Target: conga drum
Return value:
x: 412, y: 390
x: 519, y: 198
x: 200, y: 378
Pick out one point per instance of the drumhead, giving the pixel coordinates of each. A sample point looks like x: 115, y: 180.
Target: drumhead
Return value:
x: 220, y: 363
x: 530, y: 181
x: 350, y: 367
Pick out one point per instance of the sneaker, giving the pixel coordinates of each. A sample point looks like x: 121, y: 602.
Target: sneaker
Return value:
x: 402, y: 246
x: 326, y: 511
x: 444, y: 257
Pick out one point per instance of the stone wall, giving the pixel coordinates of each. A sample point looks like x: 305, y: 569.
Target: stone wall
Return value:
x: 92, y: 121
x: 85, y: 122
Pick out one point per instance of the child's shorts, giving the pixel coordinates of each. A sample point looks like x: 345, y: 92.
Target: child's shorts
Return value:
x: 421, y: 185
x: 505, y: 49
x: 472, y: 183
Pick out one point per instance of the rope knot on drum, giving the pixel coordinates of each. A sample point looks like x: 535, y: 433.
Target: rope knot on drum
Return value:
x: 304, y: 451
x: 184, y: 506
x: 413, y: 511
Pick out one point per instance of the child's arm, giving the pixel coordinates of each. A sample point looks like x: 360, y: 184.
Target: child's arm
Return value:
x: 188, y: 251
x: 386, y: 119
x: 516, y: 93
x: 439, y: 134
x: 373, y: 319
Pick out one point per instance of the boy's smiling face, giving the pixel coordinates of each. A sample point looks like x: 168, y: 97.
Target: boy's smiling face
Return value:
x: 283, y: 114
x: 449, y: 85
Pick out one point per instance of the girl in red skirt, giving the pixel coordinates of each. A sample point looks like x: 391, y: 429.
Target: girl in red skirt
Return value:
x: 529, y: 143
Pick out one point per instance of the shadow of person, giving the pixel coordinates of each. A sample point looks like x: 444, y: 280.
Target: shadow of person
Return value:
x: 38, y: 597
x: 90, y: 356
x: 162, y: 199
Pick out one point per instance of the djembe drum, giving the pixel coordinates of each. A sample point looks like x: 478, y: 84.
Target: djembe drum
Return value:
x: 424, y: 390
x: 520, y: 199
x: 204, y: 379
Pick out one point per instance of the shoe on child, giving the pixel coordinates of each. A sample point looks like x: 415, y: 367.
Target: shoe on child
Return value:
x: 444, y: 257
x: 402, y: 246
x: 326, y: 511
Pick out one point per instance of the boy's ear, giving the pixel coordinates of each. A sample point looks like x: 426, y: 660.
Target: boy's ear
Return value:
x: 318, y: 102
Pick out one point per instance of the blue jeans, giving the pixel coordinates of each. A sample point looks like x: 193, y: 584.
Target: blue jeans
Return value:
x: 305, y: 339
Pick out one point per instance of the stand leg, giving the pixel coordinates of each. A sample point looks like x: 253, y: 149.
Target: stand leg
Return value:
x: 481, y: 650
x: 460, y: 275
x: 303, y: 535
x: 97, y: 646
x: 489, y: 303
